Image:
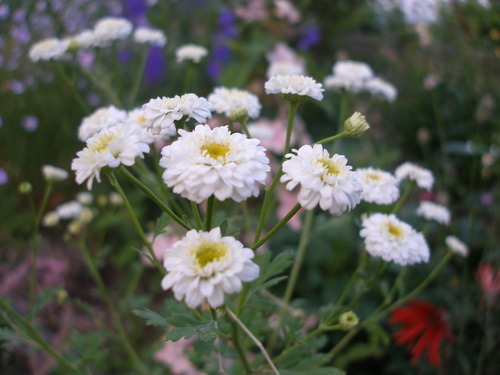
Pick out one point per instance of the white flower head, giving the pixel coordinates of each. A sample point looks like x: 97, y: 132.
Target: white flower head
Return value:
x: 110, y: 29
x: 394, y: 240
x: 456, y: 246
x: 208, y: 162
x: 379, y: 186
x: 326, y: 180
x: 136, y: 118
x: 50, y: 219
x: 110, y: 147
x: 356, y: 125
x: 85, y: 197
x: 48, y: 49
x: 190, y: 52
x: 349, y: 75
x: 422, y: 176
x: 284, y: 68
x: 434, y: 211
x: 204, y: 267
x: 151, y: 36
x: 84, y: 39
x: 54, y: 174
x: 225, y: 100
x: 69, y: 210
x: 294, y: 87
x: 165, y: 112
x: 379, y: 87
x: 102, y: 118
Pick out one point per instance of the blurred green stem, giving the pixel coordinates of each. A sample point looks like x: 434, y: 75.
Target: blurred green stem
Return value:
x: 210, y: 212
x: 344, y: 106
x: 71, y: 84
x: 332, y: 138
x: 403, y: 197
x: 196, y: 214
x: 136, y: 223
x: 33, y: 334
x: 103, y: 84
x: 189, y: 76
x: 139, y: 75
x: 245, y: 128
x: 35, y: 244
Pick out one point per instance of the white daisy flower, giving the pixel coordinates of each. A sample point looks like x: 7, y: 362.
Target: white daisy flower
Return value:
x: 83, y: 40
x: 165, y: 112
x: 457, y: 246
x: 379, y: 186
x: 434, y: 211
x: 208, y: 162
x: 294, y: 87
x: 48, y: 49
x: 326, y: 180
x: 136, y: 118
x: 110, y: 29
x: 204, y: 267
x: 423, y: 177
x: 379, y: 87
x: 102, y: 118
x: 50, y: 219
x: 393, y: 240
x: 150, y: 36
x: 69, y: 210
x: 110, y: 147
x: 85, y: 197
x: 225, y: 100
x: 349, y: 75
x: 54, y: 174
x: 284, y: 68
x: 190, y: 52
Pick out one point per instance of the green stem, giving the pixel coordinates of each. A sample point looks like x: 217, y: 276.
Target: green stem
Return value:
x: 291, y: 116
x: 136, y: 223
x: 403, y: 197
x: 332, y: 138
x: 62, y: 74
x: 344, y: 103
x: 35, y: 336
x: 189, y: 76
x: 129, y: 176
x: 277, y: 227
x: 238, y: 347
x: 245, y: 128
x: 103, y: 85
x: 89, y: 260
x: 210, y: 213
x: 196, y: 213
x: 138, y: 77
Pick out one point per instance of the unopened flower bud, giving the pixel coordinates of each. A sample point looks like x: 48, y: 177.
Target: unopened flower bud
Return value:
x: 238, y: 114
x: 356, y: 125
x: 50, y: 219
x: 25, y: 187
x: 348, y: 320
x: 54, y: 174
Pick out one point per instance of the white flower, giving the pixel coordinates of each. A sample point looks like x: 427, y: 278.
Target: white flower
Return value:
x: 54, y: 174
x: 110, y: 147
x: 165, y: 112
x: 326, y: 180
x: 102, y: 118
x: 85, y: 197
x: 69, y: 210
x: 225, y: 100
x: 356, y: 125
x: 379, y: 87
x: 48, y: 49
x: 115, y: 199
x: 110, y: 29
x: 294, y: 87
x: 379, y: 186
x: 423, y: 177
x: 151, y: 36
x: 457, y: 246
x: 433, y: 211
x: 284, y: 68
x: 136, y: 118
x: 83, y: 40
x: 284, y: 61
x: 191, y: 52
x: 208, y: 162
x: 50, y: 219
x: 394, y: 240
x: 204, y: 266
x: 349, y: 75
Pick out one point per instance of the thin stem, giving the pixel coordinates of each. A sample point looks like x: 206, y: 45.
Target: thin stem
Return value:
x: 62, y: 73
x: 136, y: 223
x: 139, y: 74
x: 332, y: 138
x: 189, y: 76
x: 210, y: 213
x: 103, y: 85
x: 245, y: 128
x: 292, y: 108
x: 238, y: 347
x: 127, y: 346
x: 35, y: 336
x: 254, y: 339
x: 277, y: 227
x: 291, y: 349
x: 129, y: 176
x: 343, y: 342
x: 344, y: 103
x: 196, y: 214
x: 403, y: 197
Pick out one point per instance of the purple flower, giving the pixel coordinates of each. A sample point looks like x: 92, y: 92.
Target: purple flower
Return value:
x: 221, y: 53
x: 153, y: 72
x: 135, y: 10
x: 310, y: 36
x: 29, y: 123
x: 4, y: 177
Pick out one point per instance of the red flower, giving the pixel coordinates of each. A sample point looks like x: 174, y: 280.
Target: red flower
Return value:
x: 489, y: 282
x: 424, y: 327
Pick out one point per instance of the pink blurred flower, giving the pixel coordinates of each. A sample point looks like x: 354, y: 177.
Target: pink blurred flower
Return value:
x: 288, y: 199
x: 489, y: 282
x: 431, y: 81
x: 162, y: 242
x: 173, y: 355
x: 283, y: 60
x: 256, y: 10
x: 285, y: 9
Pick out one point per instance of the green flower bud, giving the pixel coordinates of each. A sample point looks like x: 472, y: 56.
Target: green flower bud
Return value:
x: 25, y: 187
x: 356, y: 125
x: 238, y: 114
x: 348, y: 320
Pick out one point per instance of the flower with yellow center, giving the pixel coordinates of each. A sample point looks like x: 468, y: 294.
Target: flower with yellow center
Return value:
x: 394, y: 240
x: 137, y: 118
x: 379, y: 186
x: 110, y: 147
x: 204, y: 267
x: 102, y: 118
x: 225, y: 100
x: 208, y: 162
x: 324, y: 180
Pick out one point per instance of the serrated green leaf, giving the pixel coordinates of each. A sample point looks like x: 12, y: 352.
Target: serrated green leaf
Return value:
x: 209, y: 333
x: 269, y: 269
x: 271, y: 282
x: 223, y: 226
x: 183, y: 320
x: 152, y: 318
x: 161, y: 224
x: 315, y: 361
x: 179, y: 332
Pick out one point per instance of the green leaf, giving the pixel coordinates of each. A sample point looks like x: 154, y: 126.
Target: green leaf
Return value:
x: 315, y: 361
x: 269, y: 269
x: 186, y: 326
x: 183, y: 320
x: 161, y: 224
x: 223, y: 226
x: 314, y: 371
x: 152, y: 318
x: 209, y: 333
x: 179, y: 332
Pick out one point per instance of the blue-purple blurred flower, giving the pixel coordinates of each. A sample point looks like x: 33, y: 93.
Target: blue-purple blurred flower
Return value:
x: 135, y: 11
x: 311, y: 35
x: 29, y: 123
x: 154, y: 70
x: 4, y: 177
x: 221, y: 53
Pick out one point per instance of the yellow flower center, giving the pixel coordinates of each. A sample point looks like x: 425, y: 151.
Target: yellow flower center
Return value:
x: 209, y: 252
x: 373, y: 176
x: 330, y: 166
x: 395, y: 230
x: 102, y: 143
x: 215, y: 150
